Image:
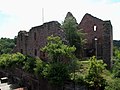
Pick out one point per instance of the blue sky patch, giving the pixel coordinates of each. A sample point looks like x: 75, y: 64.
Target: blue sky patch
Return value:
x: 112, y: 1
x: 3, y: 18
x: 115, y: 0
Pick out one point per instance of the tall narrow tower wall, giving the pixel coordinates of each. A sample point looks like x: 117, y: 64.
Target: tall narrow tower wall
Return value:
x: 107, y: 43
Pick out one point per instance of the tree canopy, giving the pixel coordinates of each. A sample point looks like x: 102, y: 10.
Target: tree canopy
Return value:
x: 57, y: 50
x: 74, y: 36
x: 6, y: 45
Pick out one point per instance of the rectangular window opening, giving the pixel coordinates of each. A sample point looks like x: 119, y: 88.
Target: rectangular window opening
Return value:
x: 21, y: 51
x: 35, y: 52
x: 95, y: 28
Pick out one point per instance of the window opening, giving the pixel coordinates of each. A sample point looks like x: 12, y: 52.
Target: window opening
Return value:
x: 95, y: 28
x: 35, y: 52
x: 21, y: 51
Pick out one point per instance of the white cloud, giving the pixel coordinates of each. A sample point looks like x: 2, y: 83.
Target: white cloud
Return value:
x: 28, y: 13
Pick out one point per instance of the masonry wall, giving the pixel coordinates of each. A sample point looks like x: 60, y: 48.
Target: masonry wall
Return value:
x: 29, y: 43
x: 21, y: 45
x: 102, y: 30
x: 88, y: 24
x: 108, y: 43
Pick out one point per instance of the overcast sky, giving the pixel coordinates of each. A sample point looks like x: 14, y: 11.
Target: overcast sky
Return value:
x: 16, y: 15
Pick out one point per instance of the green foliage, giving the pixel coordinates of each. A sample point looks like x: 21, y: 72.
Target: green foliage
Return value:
x: 70, y: 28
x: 116, y: 69
x: 116, y: 65
x: 29, y: 64
x: 40, y: 66
x: 116, y: 53
x: 6, y: 45
x: 116, y: 43
x: 10, y: 60
x: 57, y: 73
x: 56, y: 50
x: 80, y: 72
x: 74, y: 36
x: 94, y: 79
x: 114, y: 84
x: 5, y: 60
x: 17, y: 60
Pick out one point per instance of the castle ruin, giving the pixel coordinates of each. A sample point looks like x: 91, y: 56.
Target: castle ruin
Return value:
x: 98, y: 35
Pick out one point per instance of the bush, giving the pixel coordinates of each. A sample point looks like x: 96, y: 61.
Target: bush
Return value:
x: 29, y: 64
x: 39, y: 67
x: 57, y: 73
x: 114, y: 84
x: 11, y: 60
x: 94, y: 79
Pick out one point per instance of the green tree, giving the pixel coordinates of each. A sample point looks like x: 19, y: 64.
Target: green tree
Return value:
x: 74, y: 36
x: 29, y: 64
x: 17, y: 60
x: 114, y: 84
x: 57, y: 70
x: 57, y: 73
x: 70, y: 27
x: 11, y: 60
x: 116, y: 69
x: 94, y: 79
x: 39, y: 67
x: 116, y: 43
x: 56, y: 50
x: 116, y: 62
x: 6, y: 45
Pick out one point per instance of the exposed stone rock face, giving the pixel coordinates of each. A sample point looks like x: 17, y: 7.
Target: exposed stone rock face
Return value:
x: 98, y: 36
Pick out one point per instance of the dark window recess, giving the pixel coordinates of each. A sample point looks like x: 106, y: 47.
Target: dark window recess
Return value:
x: 43, y: 54
x: 34, y: 35
x: 48, y: 27
x: 21, y: 50
x: 35, y: 52
x: 90, y: 52
x: 21, y: 37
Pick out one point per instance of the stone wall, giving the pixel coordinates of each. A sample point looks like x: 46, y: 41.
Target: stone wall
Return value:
x: 29, y: 43
x: 22, y: 42
x: 88, y: 24
x: 108, y: 43
x: 102, y: 30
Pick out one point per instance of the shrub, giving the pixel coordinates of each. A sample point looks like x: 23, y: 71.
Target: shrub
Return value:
x: 39, y: 67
